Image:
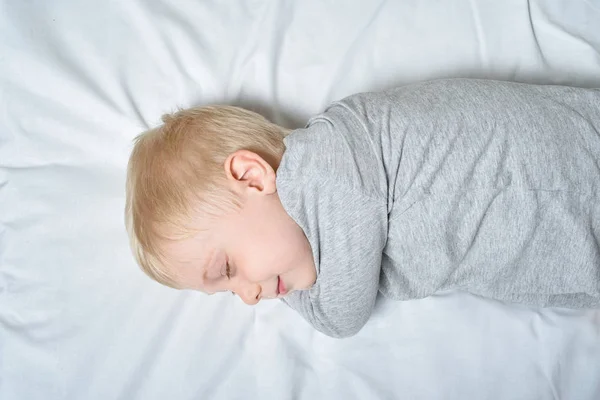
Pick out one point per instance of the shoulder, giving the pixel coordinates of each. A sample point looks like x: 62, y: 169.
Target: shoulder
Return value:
x: 335, y: 148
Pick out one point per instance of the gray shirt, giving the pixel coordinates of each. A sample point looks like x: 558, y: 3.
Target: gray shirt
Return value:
x: 484, y: 186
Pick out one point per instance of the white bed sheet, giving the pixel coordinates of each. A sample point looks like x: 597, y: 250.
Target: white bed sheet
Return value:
x: 79, y: 79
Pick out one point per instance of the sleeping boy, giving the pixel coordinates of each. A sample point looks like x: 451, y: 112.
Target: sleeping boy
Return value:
x: 483, y: 186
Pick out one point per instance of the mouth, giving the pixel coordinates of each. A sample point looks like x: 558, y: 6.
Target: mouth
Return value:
x: 281, y: 289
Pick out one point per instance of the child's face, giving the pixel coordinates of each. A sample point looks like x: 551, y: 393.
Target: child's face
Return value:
x: 256, y: 252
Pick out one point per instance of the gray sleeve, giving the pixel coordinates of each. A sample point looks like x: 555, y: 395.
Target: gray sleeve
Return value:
x: 352, y: 236
x: 330, y: 182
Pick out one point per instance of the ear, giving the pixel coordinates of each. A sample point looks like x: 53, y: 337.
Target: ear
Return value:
x: 247, y: 171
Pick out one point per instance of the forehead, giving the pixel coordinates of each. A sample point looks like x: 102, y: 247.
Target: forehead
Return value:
x: 185, y: 250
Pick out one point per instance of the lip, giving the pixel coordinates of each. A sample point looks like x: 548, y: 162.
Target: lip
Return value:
x: 281, y: 289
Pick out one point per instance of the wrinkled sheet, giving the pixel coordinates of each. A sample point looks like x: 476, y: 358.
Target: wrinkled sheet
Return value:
x: 79, y: 79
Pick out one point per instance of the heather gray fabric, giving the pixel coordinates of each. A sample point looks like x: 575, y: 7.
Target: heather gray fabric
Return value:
x: 483, y: 186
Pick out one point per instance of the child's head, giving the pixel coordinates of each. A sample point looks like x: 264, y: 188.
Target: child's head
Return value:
x: 202, y: 206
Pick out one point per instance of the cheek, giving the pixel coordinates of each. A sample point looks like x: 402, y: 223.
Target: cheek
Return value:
x: 295, y: 252
x: 258, y: 259
x: 266, y: 250
x: 304, y: 271
x: 268, y: 256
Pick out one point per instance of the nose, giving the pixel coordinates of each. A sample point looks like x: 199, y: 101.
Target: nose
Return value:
x: 250, y: 293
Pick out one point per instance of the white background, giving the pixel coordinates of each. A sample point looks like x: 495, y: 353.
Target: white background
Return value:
x: 79, y: 79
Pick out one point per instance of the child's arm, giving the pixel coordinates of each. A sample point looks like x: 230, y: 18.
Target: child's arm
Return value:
x: 351, y: 236
x: 332, y: 183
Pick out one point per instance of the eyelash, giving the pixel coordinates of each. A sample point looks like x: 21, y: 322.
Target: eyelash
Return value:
x: 228, y: 274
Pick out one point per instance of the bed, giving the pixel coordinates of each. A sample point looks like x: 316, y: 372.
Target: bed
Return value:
x: 80, y: 79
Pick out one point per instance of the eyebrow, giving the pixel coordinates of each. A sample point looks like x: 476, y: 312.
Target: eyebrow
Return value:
x: 209, y: 266
x: 203, y: 276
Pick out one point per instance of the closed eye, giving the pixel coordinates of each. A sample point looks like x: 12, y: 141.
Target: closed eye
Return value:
x: 227, y: 271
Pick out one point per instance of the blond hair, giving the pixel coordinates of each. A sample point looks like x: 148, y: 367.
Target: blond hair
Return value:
x: 176, y: 171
